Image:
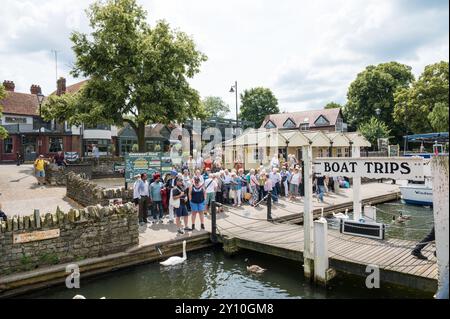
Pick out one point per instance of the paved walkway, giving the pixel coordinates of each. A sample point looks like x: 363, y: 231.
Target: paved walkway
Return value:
x: 20, y: 194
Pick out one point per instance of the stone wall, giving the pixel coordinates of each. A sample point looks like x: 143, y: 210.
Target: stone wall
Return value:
x: 57, y: 175
x: 88, y: 193
x: 104, y: 167
x: 86, y: 233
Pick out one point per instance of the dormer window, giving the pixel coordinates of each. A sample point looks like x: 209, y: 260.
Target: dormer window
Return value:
x: 269, y: 125
x: 304, y: 127
x: 321, y: 121
x: 289, y: 124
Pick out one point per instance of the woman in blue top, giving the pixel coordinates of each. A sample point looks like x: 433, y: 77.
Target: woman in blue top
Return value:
x: 197, y: 196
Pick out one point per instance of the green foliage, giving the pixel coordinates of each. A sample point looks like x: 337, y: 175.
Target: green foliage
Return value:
x: 423, y: 107
x: 49, y: 259
x: 3, y: 132
x: 374, y: 88
x: 214, y: 106
x: 135, y: 148
x: 439, y: 117
x: 27, y: 263
x: 133, y: 69
x: 374, y: 129
x: 256, y: 104
x: 332, y: 105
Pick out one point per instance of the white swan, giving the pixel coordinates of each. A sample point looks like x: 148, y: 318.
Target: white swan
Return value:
x: 340, y: 215
x: 83, y: 297
x: 175, y: 260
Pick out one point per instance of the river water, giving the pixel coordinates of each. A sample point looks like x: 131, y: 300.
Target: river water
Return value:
x: 209, y: 273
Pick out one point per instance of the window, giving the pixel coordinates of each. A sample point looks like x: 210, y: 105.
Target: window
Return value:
x: 347, y: 152
x: 321, y: 121
x: 8, y: 145
x: 256, y: 153
x: 126, y: 146
x: 339, y: 125
x: 270, y: 124
x: 289, y: 124
x: 106, y: 127
x: 323, y: 152
x: 304, y: 126
x: 15, y: 120
x: 299, y: 154
x: 339, y: 152
x: 55, y: 144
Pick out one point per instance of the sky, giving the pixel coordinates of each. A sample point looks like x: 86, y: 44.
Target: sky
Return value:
x: 307, y: 52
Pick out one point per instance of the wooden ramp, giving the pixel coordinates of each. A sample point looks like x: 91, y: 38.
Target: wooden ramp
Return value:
x: 247, y: 228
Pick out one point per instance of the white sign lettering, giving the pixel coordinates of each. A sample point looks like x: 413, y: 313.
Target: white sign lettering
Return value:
x: 409, y: 168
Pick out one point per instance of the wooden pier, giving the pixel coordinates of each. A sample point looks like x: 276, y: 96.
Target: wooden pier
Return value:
x: 247, y: 228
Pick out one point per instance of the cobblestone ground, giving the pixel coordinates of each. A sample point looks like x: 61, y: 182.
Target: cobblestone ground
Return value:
x: 20, y: 194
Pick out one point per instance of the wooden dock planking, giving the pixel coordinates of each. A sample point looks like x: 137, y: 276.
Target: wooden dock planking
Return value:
x: 346, y: 253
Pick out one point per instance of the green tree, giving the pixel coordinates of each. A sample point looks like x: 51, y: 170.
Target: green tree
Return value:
x: 214, y: 106
x: 422, y: 106
x: 133, y: 69
x: 256, y: 103
x: 3, y: 132
x: 374, y: 129
x: 332, y: 105
x: 439, y: 117
x: 373, y: 89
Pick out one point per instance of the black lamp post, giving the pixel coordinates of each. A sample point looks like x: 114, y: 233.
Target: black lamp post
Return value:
x: 40, y: 98
x: 234, y: 89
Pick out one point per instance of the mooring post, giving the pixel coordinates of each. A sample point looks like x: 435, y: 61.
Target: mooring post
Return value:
x: 356, y: 152
x: 269, y: 206
x: 440, y: 175
x: 321, y: 251
x: 213, y: 222
x: 308, y: 254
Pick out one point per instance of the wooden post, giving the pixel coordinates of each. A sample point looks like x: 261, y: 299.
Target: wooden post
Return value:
x: 269, y: 206
x: 356, y: 188
x: 213, y: 222
x: 440, y: 175
x: 308, y: 254
x: 320, y: 251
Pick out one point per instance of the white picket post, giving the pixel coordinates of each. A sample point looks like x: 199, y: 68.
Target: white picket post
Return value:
x: 356, y: 152
x: 308, y: 253
x: 320, y: 251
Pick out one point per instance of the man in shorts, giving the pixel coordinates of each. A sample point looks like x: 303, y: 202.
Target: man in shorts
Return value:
x: 39, y: 166
x: 179, y: 192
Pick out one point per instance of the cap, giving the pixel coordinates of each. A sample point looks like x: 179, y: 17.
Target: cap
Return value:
x: 173, y: 173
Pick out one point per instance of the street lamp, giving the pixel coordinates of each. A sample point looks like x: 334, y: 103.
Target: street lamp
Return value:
x: 40, y: 98
x: 234, y: 89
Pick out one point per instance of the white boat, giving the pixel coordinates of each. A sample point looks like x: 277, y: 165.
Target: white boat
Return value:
x: 418, y: 194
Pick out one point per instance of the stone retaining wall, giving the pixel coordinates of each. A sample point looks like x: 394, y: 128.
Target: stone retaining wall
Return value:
x: 90, y: 232
x: 57, y: 175
x: 104, y: 167
x: 88, y: 193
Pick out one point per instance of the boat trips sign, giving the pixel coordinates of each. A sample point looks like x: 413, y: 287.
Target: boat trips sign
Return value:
x: 407, y: 168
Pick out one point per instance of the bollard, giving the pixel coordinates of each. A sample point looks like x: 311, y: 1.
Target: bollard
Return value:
x: 213, y: 222
x: 322, y: 273
x: 269, y: 206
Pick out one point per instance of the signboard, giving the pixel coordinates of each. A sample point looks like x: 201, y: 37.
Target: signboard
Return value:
x: 383, y: 144
x: 403, y: 168
x: 35, y: 236
x: 138, y: 163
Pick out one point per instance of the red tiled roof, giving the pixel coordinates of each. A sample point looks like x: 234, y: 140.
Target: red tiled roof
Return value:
x: 303, y: 117
x: 20, y: 103
x: 74, y: 88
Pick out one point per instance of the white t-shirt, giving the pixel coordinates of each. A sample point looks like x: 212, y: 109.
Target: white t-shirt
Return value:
x: 211, y: 186
x: 135, y: 189
x: 275, y: 162
x: 275, y: 178
x: 295, y: 179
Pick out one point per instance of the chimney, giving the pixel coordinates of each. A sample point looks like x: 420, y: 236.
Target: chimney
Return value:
x: 61, y: 86
x: 35, y: 89
x: 9, y: 85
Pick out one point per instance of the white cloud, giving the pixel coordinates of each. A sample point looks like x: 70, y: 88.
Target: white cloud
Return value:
x: 307, y: 52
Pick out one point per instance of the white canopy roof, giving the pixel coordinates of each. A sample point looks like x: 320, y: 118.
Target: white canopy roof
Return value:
x: 296, y: 138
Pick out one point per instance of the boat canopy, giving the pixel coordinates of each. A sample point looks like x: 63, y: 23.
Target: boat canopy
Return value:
x: 427, y: 137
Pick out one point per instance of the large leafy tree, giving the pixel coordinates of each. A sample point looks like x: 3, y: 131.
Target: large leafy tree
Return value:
x: 3, y: 132
x: 332, y: 105
x: 423, y: 107
x: 133, y: 69
x: 373, y: 89
x: 373, y: 130
x: 256, y: 103
x: 214, y: 106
